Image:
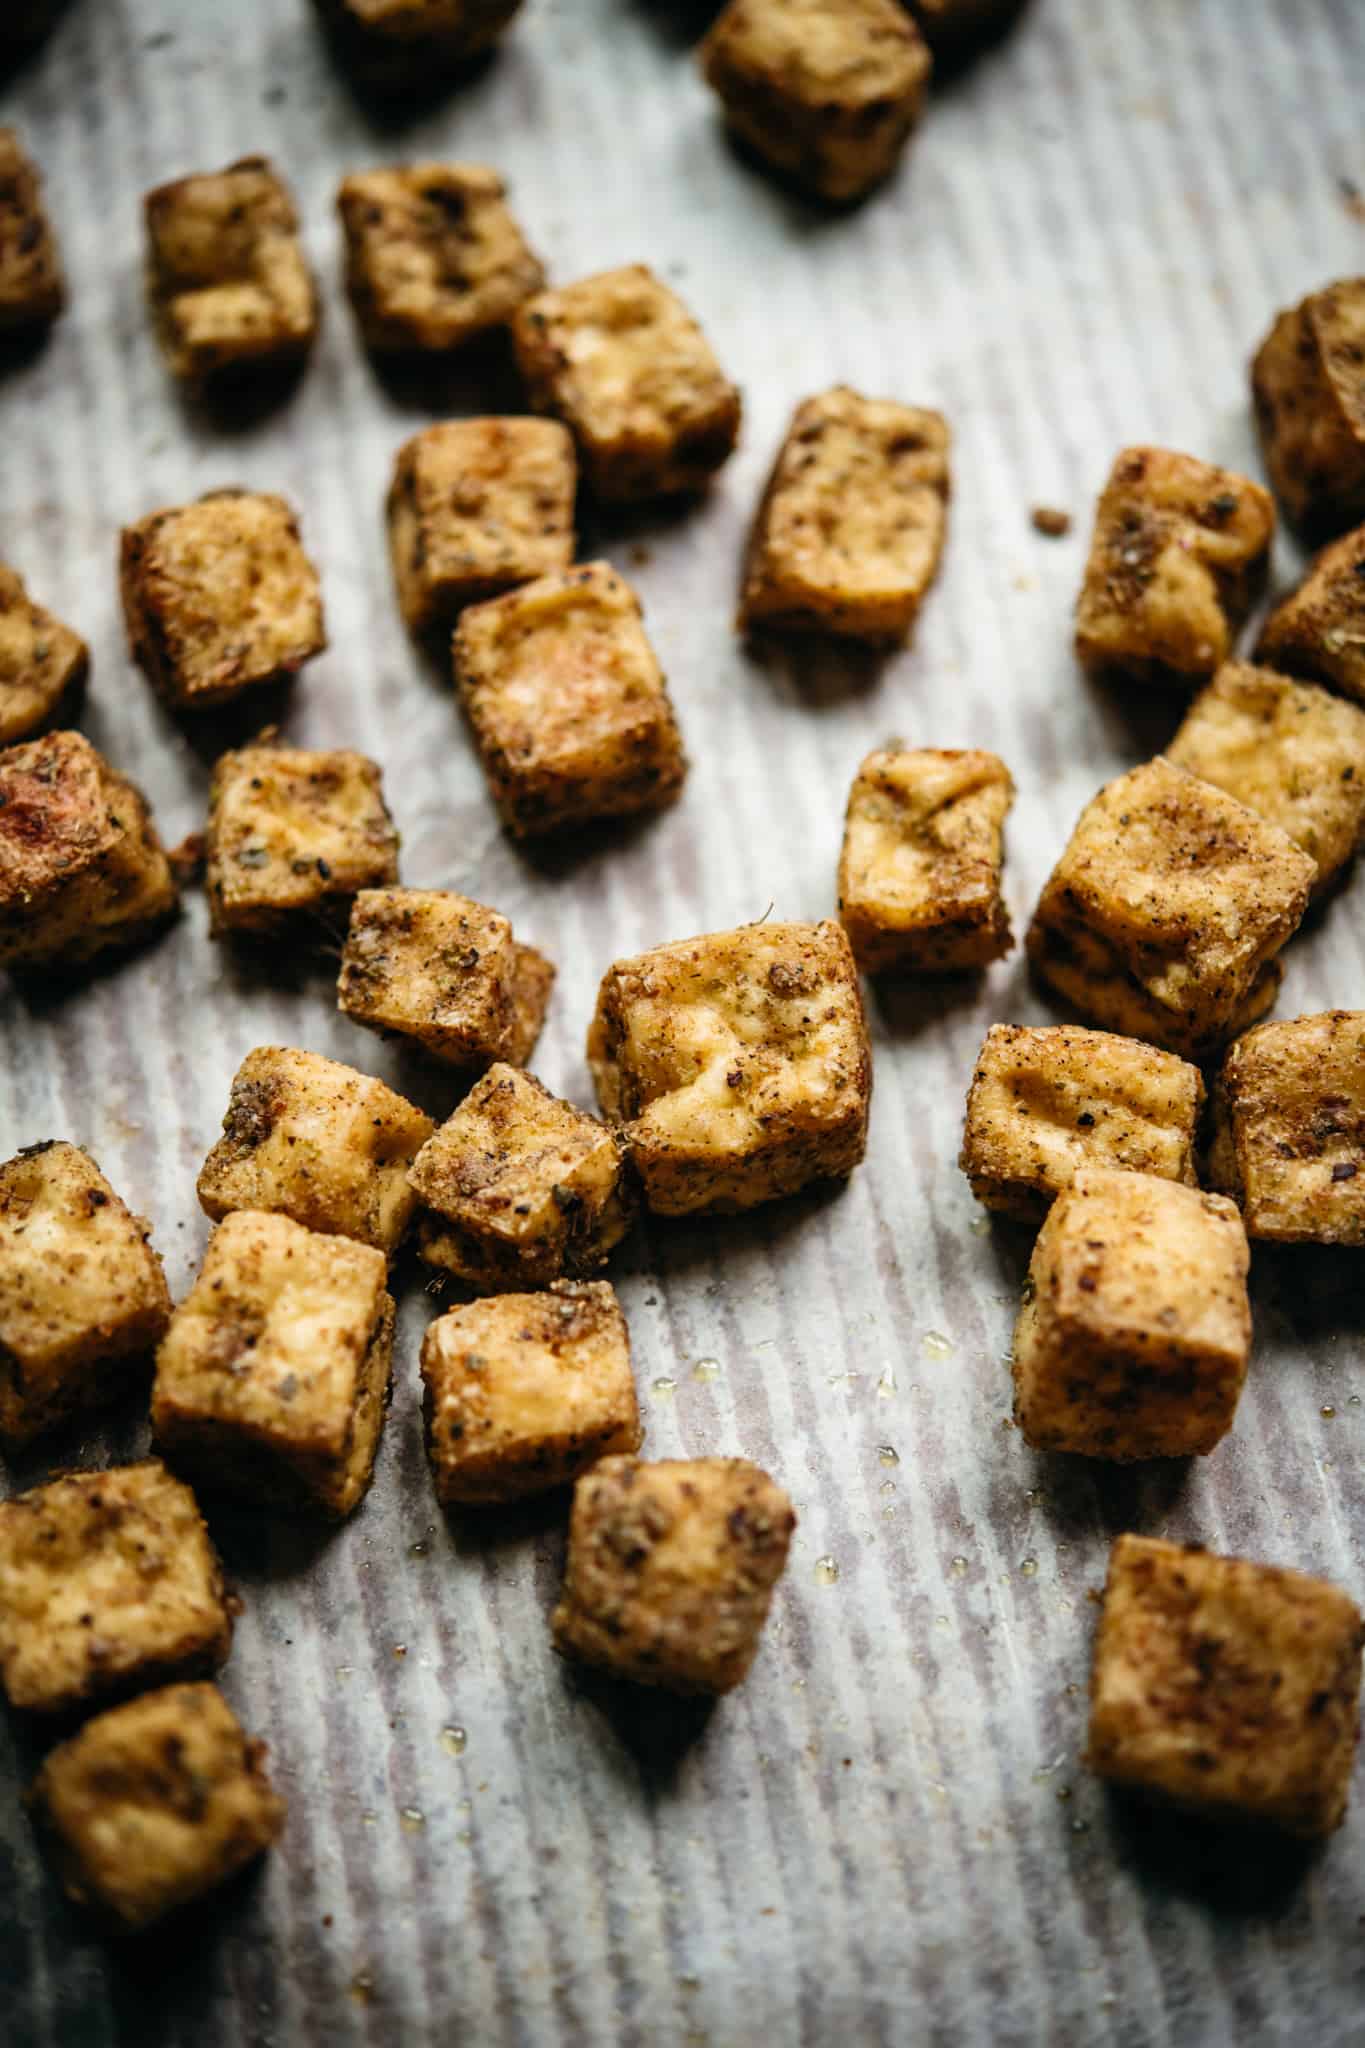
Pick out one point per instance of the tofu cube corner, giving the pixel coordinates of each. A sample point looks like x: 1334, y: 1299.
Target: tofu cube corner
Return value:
x: 292, y: 836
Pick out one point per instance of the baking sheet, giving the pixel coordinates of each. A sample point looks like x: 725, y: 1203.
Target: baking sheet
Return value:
x: 885, y: 1835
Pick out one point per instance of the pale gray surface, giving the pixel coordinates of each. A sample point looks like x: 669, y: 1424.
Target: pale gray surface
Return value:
x: 885, y: 1834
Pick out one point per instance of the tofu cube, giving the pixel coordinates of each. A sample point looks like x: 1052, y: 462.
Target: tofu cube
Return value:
x: 567, y: 702
x: 919, y: 876
x: 1289, y: 751
x: 273, y: 1377
x: 32, y: 289
x: 43, y: 664
x: 1135, y: 1330
x: 476, y: 507
x: 434, y: 256
x: 737, y: 1064
x: 153, y: 1804
x: 1178, y: 557
x: 219, y: 597
x: 108, y: 1584
x: 82, y: 1293
x: 1046, y: 1102
x: 671, y: 1569
x: 825, y: 91
x: 622, y: 362
x: 308, y: 1138
x: 1227, y: 1687
x: 524, y: 1392
x: 522, y: 1188
x: 82, y: 871
x: 850, y: 531
x: 1289, y: 1129
x: 1319, y: 629
x: 293, y: 836
x: 1163, y: 917
x: 404, y: 46
x: 229, y: 285
x: 445, y: 972
x: 1310, y: 408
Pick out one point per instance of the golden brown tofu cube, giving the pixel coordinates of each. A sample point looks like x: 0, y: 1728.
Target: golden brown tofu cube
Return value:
x: 219, y: 597
x: 919, y: 876
x: 308, y: 1138
x: 294, y: 835
x: 1178, y: 556
x: 737, y: 1064
x: 434, y: 256
x: 153, y: 1804
x: 404, y: 46
x: 273, y: 1377
x: 82, y: 1293
x: 850, y: 531
x: 476, y: 507
x: 1227, y: 1687
x: 621, y: 361
x: 1310, y: 407
x: 1135, y: 1330
x: 1045, y: 1102
x: 108, y: 1584
x: 1289, y: 1129
x: 524, y: 1392
x: 82, y: 871
x: 671, y: 1569
x: 445, y: 972
x: 229, y: 286
x: 568, y: 703
x: 42, y: 662
x: 522, y: 1187
x: 1291, y: 752
x: 826, y: 91
x: 1319, y: 629
x: 32, y: 289
x: 1163, y: 917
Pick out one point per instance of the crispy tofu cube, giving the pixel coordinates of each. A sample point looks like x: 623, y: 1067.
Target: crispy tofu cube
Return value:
x: 294, y: 835
x: 1046, y: 1102
x: 1135, y: 1330
x: 1310, y: 408
x: 1289, y: 1129
x: 82, y: 1293
x: 229, y: 286
x: 1226, y: 1686
x: 1319, y: 629
x: 737, y: 1064
x: 850, y: 531
x: 273, y: 1377
x: 524, y: 1392
x: 1178, y: 556
x: 671, y: 1569
x: 434, y: 256
x: 108, y: 1584
x: 568, y: 703
x: 445, y: 972
x: 621, y: 361
x: 32, y: 289
x: 308, y: 1138
x: 476, y: 507
x: 219, y: 597
x: 402, y: 46
x: 522, y: 1187
x: 43, y: 664
x: 153, y: 1804
x: 826, y: 91
x: 82, y: 871
x: 1163, y: 917
x: 1287, y: 750
x: 919, y: 876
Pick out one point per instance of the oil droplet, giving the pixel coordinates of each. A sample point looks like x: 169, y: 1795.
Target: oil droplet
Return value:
x: 942, y: 1621
x: 664, y: 1387
x: 981, y: 1226
x: 369, y: 1816
x: 935, y: 1345
x: 886, y: 1385
x: 1328, y: 1413
x: 841, y: 1379
x: 1354, y: 1401
x: 345, y: 1671
x: 798, y: 1685
x: 454, y: 1741
x: 888, y: 1454
x: 413, y: 1819
x: 1064, y: 1793
x: 419, y: 1549
x: 1033, y: 1494
x: 826, y: 1571
x: 464, y: 1837
x: 1079, y: 1826
x: 887, y: 1486
x: 889, y: 1514
x: 1073, y: 1692
x: 706, y: 1369
x: 400, y: 1649
x: 362, y: 1987
x: 958, y: 1567
x: 1029, y: 1568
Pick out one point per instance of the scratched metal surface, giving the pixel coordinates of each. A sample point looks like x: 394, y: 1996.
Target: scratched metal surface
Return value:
x: 886, y: 1833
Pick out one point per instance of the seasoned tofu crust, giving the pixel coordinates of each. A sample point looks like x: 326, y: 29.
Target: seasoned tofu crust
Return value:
x: 1308, y: 387
x: 293, y: 835
x: 403, y: 46
x: 43, y: 664
x: 1135, y: 1329
x: 850, y: 531
x: 1319, y: 629
x: 671, y: 1569
x: 1225, y: 1686
x: 1289, y: 1129
x: 619, y: 358
x: 525, y: 1391
x: 108, y: 1584
x: 919, y: 876
x: 32, y: 288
